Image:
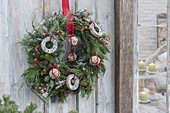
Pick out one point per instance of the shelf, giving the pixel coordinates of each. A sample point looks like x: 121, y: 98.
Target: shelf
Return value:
x: 164, y: 25
x: 148, y: 76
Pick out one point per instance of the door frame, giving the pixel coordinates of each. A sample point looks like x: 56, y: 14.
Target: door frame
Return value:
x: 126, y: 56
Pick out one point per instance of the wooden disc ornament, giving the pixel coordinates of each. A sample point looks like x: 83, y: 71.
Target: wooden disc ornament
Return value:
x: 95, y: 60
x: 72, y: 82
x: 97, y: 33
x: 73, y: 40
x: 54, y: 46
x: 72, y: 56
x: 54, y: 73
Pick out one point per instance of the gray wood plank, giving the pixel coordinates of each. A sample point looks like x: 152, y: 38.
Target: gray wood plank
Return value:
x: 4, y: 47
x: 105, y: 96
x: 87, y: 106
x: 55, y: 5
x: 21, y: 14
x: 51, y: 5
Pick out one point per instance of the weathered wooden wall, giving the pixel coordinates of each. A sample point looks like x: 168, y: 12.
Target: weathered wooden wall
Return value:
x: 16, y: 17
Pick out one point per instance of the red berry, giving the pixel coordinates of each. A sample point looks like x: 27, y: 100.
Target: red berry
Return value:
x: 65, y: 94
x: 85, y: 84
x: 39, y: 88
x: 83, y: 19
x: 106, y: 42
x: 42, y: 91
x: 41, y: 74
x: 83, y: 69
x: 108, y: 39
x: 90, y: 21
x: 101, y: 39
x: 44, y: 35
x: 74, y: 66
x: 37, y: 52
x: 68, y: 72
x: 35, y: 59
x: 85, y: 28
x: 101, y: 63
x: 35, y: 64
x: 37, y: 46
x: 57, y: 32
x: 91, y: 73
x: 35, y: 49
x: 55, y: 64
x: 62, y: 34
x: 44, y: 70
x: 46, y: 79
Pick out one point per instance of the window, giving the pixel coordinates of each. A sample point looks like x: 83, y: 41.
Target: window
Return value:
x: 152, y: 65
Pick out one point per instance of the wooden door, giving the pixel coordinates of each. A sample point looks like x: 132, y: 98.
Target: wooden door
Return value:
x: 16, y: 17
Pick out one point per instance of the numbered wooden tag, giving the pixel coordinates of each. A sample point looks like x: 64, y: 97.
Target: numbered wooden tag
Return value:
x: 49, y: 50
x: 96, y: 33
x: 70, y: 84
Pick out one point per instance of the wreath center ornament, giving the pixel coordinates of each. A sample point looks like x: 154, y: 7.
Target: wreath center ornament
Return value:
x: 59, y: 69
x: 47, y: 49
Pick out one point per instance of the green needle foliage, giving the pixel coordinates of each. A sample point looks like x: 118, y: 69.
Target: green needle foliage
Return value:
x: 9, y: 106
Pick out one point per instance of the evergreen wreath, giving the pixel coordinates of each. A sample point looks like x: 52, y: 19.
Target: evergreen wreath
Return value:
x: 60, y: 63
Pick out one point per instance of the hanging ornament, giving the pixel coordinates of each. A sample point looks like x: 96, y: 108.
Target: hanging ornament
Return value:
x: 54, y: 73
x: 73, y: 40
x: 49, y: 41
x: 95, y: 60
x: 95, y: 30
x: 71, y: 56
x: 72, y: 82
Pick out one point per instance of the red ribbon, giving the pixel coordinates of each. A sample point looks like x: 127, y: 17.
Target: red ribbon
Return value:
x: 66, y: 12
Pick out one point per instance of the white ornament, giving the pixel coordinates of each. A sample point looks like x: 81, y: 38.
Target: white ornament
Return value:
x: 73, y: 40
x: 98, y: 33
x: 54, y: 73
x: 51, y: 50
x: 69, y: 82
x: 95, y: 60
x: 71, y: 57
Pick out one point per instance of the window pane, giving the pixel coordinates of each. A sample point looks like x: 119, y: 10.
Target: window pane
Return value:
x: 152, y: 39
